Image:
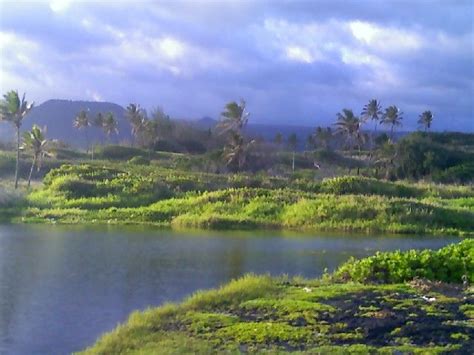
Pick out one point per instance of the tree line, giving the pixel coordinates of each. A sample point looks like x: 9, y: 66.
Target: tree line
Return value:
x: 229, y: 133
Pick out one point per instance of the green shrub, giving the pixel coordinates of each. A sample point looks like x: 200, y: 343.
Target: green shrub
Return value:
x: 453, y: 263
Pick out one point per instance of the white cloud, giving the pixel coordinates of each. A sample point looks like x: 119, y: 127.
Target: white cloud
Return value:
x: 385, y: 38
x: 171, y: 47
x: 59, y: 6
x: 299, y: 54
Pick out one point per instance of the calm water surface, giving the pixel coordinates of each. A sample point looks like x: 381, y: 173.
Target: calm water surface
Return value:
x: 61, y: 287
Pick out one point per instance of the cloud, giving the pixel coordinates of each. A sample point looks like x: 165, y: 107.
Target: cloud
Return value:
x: 293, y: 61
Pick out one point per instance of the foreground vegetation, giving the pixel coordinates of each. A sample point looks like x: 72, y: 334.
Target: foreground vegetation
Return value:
x: 273, y: 315
x: 168, y: 197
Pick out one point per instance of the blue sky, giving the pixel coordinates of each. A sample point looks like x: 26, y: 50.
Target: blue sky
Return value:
x: 294, y: 62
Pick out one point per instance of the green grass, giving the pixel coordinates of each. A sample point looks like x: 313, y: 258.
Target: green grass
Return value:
x: 261, y: 314
x: 146, y: 194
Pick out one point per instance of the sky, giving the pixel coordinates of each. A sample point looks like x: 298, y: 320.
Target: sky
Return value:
x: 294, y: 62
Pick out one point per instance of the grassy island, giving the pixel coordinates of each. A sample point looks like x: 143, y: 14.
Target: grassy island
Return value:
x: 112, y: 193
x: 408, y: 302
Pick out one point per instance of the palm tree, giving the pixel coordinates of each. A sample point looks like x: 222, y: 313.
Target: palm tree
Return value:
x: 99, y: 120
x: 109, y: 125
x: 233, y: 120
x: 292, y: 143
x: 392, y: 117
x: 236, y: 151
x: 323, y: 136
x: 234, y: 117
x: 36, y: 142
x: 348, y: 125
x: 14, y: 110
x: 425, y: 120
x: 137, y: 120
x: 372, y: 111
x: 81, y: 121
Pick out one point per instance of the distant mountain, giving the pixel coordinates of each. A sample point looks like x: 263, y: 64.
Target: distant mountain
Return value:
x: 58, y: 116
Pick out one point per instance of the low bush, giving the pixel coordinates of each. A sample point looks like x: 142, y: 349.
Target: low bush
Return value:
x: 454, y: 263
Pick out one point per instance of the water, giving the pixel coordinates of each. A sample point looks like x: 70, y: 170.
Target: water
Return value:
x: 62, y: 287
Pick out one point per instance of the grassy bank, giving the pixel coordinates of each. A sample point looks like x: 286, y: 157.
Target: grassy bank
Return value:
x: 169, y: 197
x: 273, y: 315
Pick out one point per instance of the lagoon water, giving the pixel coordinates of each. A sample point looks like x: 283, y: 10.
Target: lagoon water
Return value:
x: 61, y: 287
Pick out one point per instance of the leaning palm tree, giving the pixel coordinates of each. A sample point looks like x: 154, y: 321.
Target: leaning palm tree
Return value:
x: 109, y: 125
x: 81, y: 121
x: 392, y: 117
x: 137, y: 119
x: 425, y: 120
x: 236, y: 151
x: 234, y: 118
x: 348, y: 126
x: 35, y: 142
x: 14, y: 110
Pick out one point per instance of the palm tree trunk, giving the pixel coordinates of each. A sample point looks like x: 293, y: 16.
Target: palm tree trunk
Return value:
x: 391, y: 133
x: 31, y: 170
x: 17, y: 165
x: 293, y: 162
x: 87, y: 141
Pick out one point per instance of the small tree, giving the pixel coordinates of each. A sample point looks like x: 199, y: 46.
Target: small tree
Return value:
x: 35, y: 142
x: 14, y: 110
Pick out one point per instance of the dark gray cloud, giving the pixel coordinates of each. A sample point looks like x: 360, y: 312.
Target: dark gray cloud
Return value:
x: 295, y: 62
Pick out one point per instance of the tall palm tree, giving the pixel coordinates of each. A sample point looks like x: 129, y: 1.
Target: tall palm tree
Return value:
x: 292, y: 143
x: 109, y: 125
x: 236, y: 151
x: 348, y: 126
x: 232, y: 122
x: 81, y: 121
x: 392, y: 117
x: 425, y: 120
x: 233, y: 118
x: 14, y: 110
x: 372, y: 111
x: 36, y: 142
x: 137, y: 119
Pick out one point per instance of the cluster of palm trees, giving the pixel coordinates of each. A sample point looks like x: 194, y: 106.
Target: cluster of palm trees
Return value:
x: 106, y: 122
x: 350, y: 126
